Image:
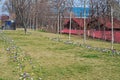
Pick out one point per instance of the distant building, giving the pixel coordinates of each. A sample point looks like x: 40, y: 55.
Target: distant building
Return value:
x: 99, y: 28
x: 79, y: 11
x: 3, y: 18
x: 7, y: 24
x: 100, y: 23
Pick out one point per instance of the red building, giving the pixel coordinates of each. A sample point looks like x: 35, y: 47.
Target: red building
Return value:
x: 97, y: 28
x: 4, y: 17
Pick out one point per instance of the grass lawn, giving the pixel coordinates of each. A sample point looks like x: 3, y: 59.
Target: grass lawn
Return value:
x: 54, y: 60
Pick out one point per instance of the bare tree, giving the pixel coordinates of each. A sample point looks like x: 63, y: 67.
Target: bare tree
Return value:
x: 106, y: 9
x: 115, y: 7
x: 83, y: 4
x: 21, y: 8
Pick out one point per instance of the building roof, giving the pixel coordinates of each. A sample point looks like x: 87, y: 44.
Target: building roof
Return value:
x: 4, y: 17
x: 107, y: 22
x: 104, y: 21
x: 79, y: 21
x: 79, y: 11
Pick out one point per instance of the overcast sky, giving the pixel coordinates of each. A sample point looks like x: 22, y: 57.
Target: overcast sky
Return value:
x: 80, y: 3
x: 3, y: 11
x: 77, y: 3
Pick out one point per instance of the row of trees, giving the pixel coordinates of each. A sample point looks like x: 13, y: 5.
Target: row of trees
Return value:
x: 35, y: 14
x: 38, y: 13
x: 106, y: 9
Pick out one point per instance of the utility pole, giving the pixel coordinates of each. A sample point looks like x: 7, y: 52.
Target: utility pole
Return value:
x: 36, y: 19
x: 58, y: 24
x: 70, y: 25
x: 112, y: 31
x: 84, y: 21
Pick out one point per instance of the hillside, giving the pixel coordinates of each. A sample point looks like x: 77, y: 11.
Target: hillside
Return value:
x: 55, y: 60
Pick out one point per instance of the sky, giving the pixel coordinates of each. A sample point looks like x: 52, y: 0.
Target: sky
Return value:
x: 80, y: 3
x: 77, y: 3
x: 3, y: 11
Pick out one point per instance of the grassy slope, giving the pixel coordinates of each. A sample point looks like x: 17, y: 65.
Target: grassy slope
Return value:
x: 57, y: 61
x: 6, y: 70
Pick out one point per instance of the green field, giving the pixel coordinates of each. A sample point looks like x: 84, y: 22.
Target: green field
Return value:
x: 52, y: 60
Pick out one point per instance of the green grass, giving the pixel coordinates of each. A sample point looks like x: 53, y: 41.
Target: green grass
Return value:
x: 54, y: 60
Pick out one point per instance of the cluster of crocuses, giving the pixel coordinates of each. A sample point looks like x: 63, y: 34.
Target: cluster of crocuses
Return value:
x: 17, y: 57
x: 112, y: 52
